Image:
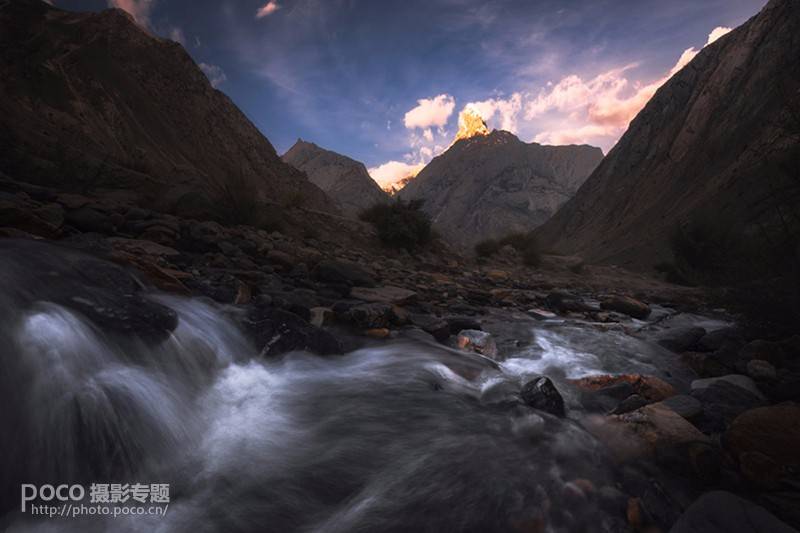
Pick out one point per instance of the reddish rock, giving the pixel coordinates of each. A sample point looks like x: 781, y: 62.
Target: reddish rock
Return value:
x: 649, y: 387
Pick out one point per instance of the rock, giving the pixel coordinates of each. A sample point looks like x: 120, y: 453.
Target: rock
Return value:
x: 369, y: 316
x: 766, y: 442
x: 20, y: 218
x: 321, y: 316
x: 343, y: 272
x: 631, y: 403
x: 457, y: 323
x: 277, y: 331
x: 715, y: 340
x: 431, y: 324
x: 541, y: 314
x: 497, y: 275
x: 772, y: 352
x: 477, y: 341
x: 565, y: 302
x: 387, y: 294
x: 683, y: 404
x: 738, y: 380
x: 282, y: 259
x: 541, y: 394
x: 89, y: 220
x: 142, y: 247
x: 680, y: 339
x: 377, y: 333
x: 722, y: 402
x: 627, y: 306
x: 657, y: 426
x: 761, y: 370
x: 724, y: 512
x: 649, y: 387
x: 128, y: 314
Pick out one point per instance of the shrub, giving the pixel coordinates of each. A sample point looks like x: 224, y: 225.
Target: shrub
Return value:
x: 523, y: 242
x: 487, y: 248
x: 400, y: 224
x: 236, y: 202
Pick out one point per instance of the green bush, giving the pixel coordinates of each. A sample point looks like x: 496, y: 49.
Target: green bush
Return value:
x: 400, y: 224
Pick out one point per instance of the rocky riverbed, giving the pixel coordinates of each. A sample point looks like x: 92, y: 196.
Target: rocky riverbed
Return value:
x: 620, y: 395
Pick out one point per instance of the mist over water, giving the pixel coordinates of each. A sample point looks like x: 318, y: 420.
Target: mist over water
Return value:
x: 402, y: 437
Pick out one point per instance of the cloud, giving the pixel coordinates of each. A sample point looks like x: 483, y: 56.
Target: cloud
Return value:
x: 176, y: 34
x: 598, y: 110
x: 506, y: 111
x: 267, y: 9
x: 393, y: 172
x: 430, y: 112
x: 138, y: 9
x: 214, y: 74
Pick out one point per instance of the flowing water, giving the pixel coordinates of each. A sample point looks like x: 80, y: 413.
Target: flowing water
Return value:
x: 404, y: 436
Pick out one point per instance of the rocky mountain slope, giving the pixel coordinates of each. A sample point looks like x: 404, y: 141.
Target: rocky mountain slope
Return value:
x: 343, y: 179
x: 719, y: 139
x: 93, y: 101
x: 490, y: 184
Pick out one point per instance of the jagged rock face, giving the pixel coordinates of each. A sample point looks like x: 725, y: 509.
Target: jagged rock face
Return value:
x: 94, y: 97
x: 487, y: 186
x: 343, y: 179
x: 711, y: 141
x: 470, y: 124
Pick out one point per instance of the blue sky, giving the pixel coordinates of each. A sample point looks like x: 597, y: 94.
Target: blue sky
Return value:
x: 348, y: 74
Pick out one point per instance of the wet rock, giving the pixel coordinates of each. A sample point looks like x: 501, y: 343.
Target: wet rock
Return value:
x: 686, y: 406
x: 743, y: 382
x: 766, y: 442
x: 761, y: 370
x: 277, y: 331
x: 723, y: 401
x: 565, y: 302
x: 627, y: 306
x: 719, y: 338
x: 387, y: 294
x: 477, y: 341
x: 377, y: 333
x: 127, y: 314
x: 431, y: 324
x: 724, y: 512
x: 655, y: 429
x: 680, y: 339
x: 343, y: 272
x: 541, y: 314
x: 369, y: 316
x: 541, y: 394
x: 24, y: 220
x: 631, y: 403
x: 649, y: 387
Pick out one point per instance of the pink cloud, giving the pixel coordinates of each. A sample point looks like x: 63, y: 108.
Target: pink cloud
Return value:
x: 267, y: 9
x: 138, y: 9
x: 598, y: 110
x: 393, y: 173
x: 430, y: 112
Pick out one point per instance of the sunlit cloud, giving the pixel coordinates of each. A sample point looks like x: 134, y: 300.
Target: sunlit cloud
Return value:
x: 267, y: 9
x: 498, y: 112
x: 430, y: 112
x: 393, y: 173
x: 138, y: 9
x: 597, y: 111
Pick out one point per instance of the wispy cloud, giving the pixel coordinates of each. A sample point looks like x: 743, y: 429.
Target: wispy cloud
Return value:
x: 214, y: 74
x: 498, y: 112
x: 267, y: 9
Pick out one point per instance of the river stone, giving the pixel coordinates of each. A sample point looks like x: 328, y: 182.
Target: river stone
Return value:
x: 686, y: 406
x: 761, y: 370
x: 656, y: 428
x: 738, y: 380
x: 431, y: 324
x: 387, y: 294
x: 627, y: 306
x: 541, y: 394
x: 477, y: 341
x: 680, y: 339
x: 723, y: 512
x: 650, y: 387
x: 766, y: 441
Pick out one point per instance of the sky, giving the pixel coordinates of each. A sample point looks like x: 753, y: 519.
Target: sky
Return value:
x: 383, y: 81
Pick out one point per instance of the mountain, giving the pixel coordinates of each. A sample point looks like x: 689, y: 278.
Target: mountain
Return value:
x: 489, y: 184
x: 92, y: 100
x: 343, y: 179
x: 719, y: 140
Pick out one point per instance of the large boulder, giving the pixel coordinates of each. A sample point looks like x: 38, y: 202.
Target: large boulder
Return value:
x: 477, y: 341
x: 723, y: 512
x: 627, y: 306
x: 681, y: 339
x: 766, y: 442
x: 541, y: 394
